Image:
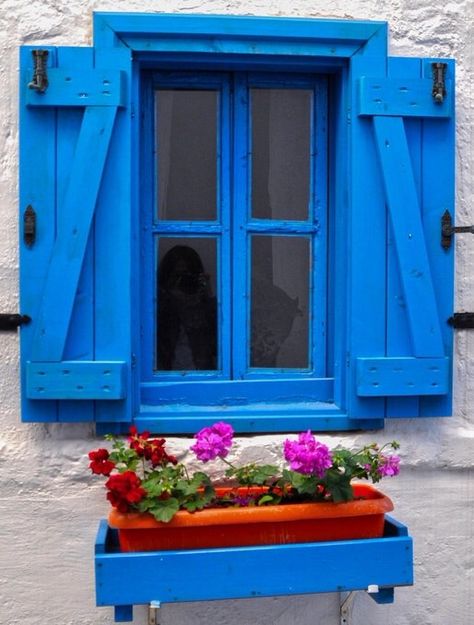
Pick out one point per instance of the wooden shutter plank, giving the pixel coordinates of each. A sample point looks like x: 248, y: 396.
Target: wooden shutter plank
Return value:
x: 403, y: 97
x: 404, y: 209
x: 398, y: 331
x: 79, y: 87
x: 80, y: 339
x: 438, y: 184
x: 37, y: 162
x: 75, y: 380
x: 68, y: 252
x: 365, y: 309
x: 117, y: 258
x: 381, y: 377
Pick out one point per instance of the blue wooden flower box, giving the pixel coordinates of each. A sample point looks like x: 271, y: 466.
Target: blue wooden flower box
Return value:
x: 127, y: 579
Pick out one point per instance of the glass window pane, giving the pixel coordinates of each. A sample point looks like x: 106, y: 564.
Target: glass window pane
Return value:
x: 186, y: 143
x: 281, y: 153
x: 280, y: 302
x: 187, y: 304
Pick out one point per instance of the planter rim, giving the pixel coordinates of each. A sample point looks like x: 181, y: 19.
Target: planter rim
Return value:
x: 371, y: 502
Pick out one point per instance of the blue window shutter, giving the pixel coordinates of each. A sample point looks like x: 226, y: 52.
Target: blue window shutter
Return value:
x: 67, y: 134
x: 414, y: 144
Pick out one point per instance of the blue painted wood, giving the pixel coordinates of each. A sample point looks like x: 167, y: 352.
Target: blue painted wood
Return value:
x: 240, y: 241
x: 398, y: 330
x: 100, y: 545
x: 37, y: 167
x: 79, y: 87
x: 80, y: 339
x: 405, y: 217
x: 364, y: 208
x: 76, y: 380
x: 438, y: 185
x: 252, y: 418
x: 123, y: 613
x: 147, y: 216
x: 246, y: 572
x: 381, y: 377
x: 139, y: 26
x: 238, y: 392
x: 53, y: 320
x: 383, y: 596
x: 403, y: 97
x: 225, y: 207
x: 117, y: 252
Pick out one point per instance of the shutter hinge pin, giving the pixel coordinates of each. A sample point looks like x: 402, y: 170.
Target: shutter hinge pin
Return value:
x: 9, y: 322
x: 448, y: 230
x: 439, y: 82
x: 40, y: 77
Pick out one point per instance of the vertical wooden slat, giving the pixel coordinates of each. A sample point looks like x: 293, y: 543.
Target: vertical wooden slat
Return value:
x: 398, y: 331
x: 366, y: 246
x: 37, y: 188
x: 80, y: 339
x: 240, y: 239
x: 438, y: 195
x: 117, y: 254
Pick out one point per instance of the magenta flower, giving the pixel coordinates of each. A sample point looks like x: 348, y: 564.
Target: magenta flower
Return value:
x: 214, y: 441
x: 307, y: 455
x: 389, y: 466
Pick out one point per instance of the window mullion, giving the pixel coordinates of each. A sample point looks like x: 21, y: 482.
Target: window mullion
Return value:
x: 240, y: 252
x: 225, y: 246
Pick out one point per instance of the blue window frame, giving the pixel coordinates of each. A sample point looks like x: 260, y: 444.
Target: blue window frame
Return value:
x: 379, y: 344
x: 243, y: 241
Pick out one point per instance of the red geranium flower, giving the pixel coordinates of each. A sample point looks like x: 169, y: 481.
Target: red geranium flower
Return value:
x: 100, y: 462
x: 124, y: 489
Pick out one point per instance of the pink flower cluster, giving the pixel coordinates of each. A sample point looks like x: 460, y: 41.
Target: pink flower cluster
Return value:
x: 213, y: 442
x: 307, y: 455
x: 389, y: 466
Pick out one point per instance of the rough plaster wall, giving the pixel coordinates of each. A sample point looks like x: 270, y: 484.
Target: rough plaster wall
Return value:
x: 49, y: 507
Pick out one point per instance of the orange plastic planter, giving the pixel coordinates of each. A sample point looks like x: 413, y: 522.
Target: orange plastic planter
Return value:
x: 267, y: 525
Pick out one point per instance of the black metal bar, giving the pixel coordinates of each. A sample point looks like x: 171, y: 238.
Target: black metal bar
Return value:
x: 448, y: 230
x: 462, y: 321
x: 10, y: 322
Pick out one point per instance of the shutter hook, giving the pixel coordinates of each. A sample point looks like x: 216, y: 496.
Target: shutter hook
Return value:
x: 439, y: 81
x: 40, y: 77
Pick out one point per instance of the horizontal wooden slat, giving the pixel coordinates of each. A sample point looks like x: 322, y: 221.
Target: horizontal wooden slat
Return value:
x: 71, y: 87
x: 75, y: 380
x: 403, y: 97
x: 379, y: 377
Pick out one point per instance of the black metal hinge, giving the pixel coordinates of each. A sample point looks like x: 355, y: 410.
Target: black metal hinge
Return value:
x: 448, y: 230
x: 9, y: 322
x: 462, y: 321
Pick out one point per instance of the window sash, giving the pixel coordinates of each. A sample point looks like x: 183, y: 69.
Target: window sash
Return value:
x: 233, y: 228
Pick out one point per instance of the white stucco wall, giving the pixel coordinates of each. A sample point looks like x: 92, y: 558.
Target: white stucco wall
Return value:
x: 49, y: 506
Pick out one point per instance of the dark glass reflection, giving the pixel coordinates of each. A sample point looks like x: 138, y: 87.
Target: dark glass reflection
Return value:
x: 187, y: 308
x: 186, y: 141
x: 280, y: 302
x: 281, y: 153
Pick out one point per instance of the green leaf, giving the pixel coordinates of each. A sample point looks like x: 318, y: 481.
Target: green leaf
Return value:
x: 265, y: 499
x: 164, y: 509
